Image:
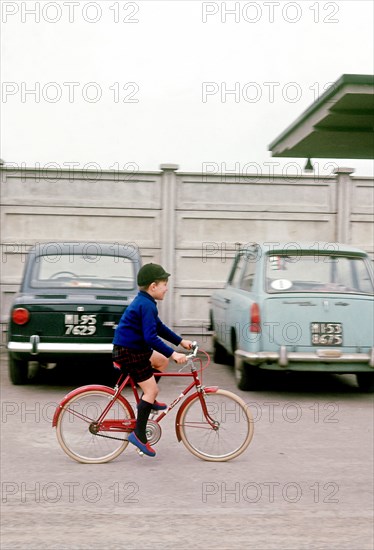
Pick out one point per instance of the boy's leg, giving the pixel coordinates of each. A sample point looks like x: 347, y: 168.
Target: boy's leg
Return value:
x: 150, y: 390
x: 162, y: 362
x: 159, y: 361
x: 159, y: 364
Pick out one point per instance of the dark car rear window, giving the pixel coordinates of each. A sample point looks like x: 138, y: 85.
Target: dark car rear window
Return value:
x: 83, y: 271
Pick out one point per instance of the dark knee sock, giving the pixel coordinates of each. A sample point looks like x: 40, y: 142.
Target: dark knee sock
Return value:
x: 144, y: 409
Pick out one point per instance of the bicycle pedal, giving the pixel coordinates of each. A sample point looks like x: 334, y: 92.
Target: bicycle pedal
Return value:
x: 140, y: 453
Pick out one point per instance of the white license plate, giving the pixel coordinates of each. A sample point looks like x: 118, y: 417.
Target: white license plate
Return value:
x: 80, y: 325
x: 326, y: 334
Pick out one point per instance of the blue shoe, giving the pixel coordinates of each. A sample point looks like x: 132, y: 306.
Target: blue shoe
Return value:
x: 144, y: 447
x: 157, y: 406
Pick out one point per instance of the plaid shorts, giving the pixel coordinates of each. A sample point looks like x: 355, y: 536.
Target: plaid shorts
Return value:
x: 133, y: 362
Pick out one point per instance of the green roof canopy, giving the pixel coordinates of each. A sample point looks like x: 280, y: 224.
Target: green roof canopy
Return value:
x: 340, y: 124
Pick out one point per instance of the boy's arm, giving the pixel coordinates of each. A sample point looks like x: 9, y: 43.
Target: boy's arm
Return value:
x: 150, y: 324
x: 168, y: 334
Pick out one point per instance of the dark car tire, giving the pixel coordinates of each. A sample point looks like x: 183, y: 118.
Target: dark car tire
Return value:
x: 248, y: 377
x: 219, y: 353
x: 18, y: 371
x: 365, y: 381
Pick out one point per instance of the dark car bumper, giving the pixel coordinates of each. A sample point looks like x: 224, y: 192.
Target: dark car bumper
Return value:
x: 34, y: 347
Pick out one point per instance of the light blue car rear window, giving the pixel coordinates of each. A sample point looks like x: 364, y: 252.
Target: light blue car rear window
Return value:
x: 317, y: 273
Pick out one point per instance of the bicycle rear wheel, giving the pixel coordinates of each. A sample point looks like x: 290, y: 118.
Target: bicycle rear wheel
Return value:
x: 75, y: 433
x: 232, y: 433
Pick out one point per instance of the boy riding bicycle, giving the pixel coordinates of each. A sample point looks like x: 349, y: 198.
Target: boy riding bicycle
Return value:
x: 139, y: 350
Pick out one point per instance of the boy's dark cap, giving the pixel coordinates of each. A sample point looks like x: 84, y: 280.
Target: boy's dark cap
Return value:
x: 150, y: 273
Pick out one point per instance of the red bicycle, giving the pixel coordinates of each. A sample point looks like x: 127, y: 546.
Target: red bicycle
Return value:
x: 93, y: 422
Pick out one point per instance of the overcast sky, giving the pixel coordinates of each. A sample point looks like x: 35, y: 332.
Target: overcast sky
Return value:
x: 115, y: 84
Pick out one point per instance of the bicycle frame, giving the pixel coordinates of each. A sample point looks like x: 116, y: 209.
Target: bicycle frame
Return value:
x: 128, y: 425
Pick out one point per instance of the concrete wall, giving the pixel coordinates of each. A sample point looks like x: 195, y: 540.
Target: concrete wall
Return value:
x: 189, y: 222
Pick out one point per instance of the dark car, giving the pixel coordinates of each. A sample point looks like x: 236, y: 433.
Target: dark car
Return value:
x: 70, y: 301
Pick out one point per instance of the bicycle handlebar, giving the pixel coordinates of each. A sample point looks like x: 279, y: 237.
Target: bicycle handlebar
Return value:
x: 195, y: 349
x: 193, y: 355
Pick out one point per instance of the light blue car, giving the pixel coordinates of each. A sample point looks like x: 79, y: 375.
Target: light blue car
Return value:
x: 296, y: 307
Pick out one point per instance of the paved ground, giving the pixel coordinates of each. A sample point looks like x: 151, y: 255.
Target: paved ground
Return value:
x: 305, y: 482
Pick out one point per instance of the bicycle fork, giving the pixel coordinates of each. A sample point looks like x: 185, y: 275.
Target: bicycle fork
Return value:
x: 200, y: 393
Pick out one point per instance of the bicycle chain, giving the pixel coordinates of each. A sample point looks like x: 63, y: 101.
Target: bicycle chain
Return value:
x: 111, y: 437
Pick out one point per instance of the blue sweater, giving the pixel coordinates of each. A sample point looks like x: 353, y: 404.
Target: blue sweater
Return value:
x: 140, y: 327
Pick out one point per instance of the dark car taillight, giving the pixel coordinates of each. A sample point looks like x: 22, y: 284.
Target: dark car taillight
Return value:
x: 20, y: 316
x: 255, y: 319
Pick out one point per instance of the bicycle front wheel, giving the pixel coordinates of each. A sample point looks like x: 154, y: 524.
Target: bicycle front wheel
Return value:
x: 231, y: 433
x: 76, y: 435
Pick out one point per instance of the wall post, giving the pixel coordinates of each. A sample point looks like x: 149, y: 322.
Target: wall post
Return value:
x: 343, y: 204
x: 168, y: 241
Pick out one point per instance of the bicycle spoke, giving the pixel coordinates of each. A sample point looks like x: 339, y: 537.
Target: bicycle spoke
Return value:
x: 201, y: 425
x: 78, y: 415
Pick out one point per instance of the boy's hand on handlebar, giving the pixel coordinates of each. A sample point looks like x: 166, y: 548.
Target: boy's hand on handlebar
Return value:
x: 186, y: 344
x: 179, y: 358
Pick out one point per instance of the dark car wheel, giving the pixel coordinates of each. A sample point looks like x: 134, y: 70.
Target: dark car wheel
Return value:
x: 248, y: 377
x: 365, y: 381
x: 219, y: 353
x: 18, y: 371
